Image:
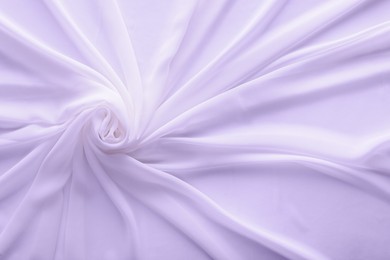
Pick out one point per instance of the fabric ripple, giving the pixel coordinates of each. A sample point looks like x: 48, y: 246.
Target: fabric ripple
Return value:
x: 229, y: 130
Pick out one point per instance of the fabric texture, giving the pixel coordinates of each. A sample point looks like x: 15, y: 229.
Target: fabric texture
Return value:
x: 207, y: 129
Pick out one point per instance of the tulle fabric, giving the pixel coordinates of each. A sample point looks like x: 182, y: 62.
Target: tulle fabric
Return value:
x: 148, y: 129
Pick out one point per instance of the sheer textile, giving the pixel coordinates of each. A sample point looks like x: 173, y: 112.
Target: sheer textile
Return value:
x: 208, y: 129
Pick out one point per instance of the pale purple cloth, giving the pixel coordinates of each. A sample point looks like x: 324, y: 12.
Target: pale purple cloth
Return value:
x: 210, y: 129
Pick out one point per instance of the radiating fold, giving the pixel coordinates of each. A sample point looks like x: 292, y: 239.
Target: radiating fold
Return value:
x: 221, y: 130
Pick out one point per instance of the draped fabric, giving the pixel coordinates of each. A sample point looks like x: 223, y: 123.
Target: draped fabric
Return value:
x: 197, y: 129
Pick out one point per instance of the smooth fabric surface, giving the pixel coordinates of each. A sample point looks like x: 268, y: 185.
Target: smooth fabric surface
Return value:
x: 237, y: 130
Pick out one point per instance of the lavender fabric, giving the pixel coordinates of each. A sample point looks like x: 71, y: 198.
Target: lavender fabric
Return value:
x: 170, y: 130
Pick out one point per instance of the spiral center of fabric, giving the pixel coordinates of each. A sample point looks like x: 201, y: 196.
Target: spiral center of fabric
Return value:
x: 111, y: 130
